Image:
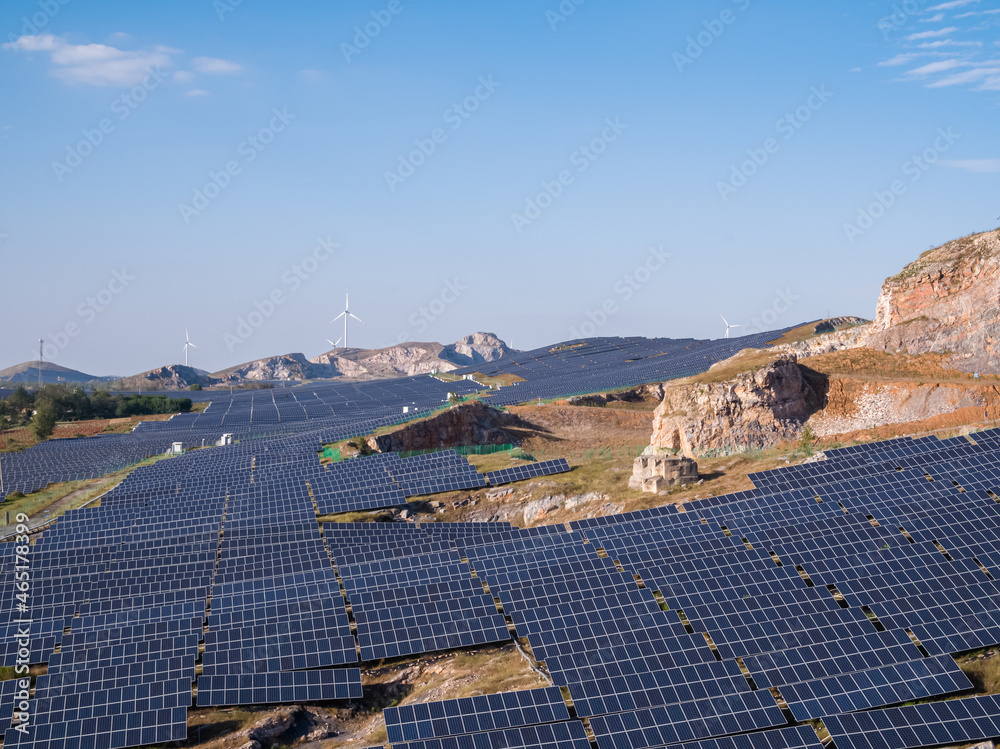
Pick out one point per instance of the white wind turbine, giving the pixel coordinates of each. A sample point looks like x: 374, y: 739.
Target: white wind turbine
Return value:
x: 346, y: 314
x: 332, y: 344
x: 728, y: 326
x: 187, y: 344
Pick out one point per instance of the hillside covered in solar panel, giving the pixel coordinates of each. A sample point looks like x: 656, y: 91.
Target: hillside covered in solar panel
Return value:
x: 841, y: 599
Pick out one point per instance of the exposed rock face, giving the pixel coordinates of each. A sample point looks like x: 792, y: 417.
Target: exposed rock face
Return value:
x: 406, y: 359
x: 471, y: 423
x: 172, y: 377
x: 828, y: 343
x: 948, y: 300
x: 475, y: 349
x: 752, y: 410
x: 413, y: 358
x: 287, y: 367
x: 653, y: 473
x: 855, y: 405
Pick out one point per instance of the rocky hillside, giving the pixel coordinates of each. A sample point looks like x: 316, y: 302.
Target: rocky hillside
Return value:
x: 472, y: 423
x: 946, y: 301
x: 753, y: 409
x: 412, y: 358
x: 172, y: 377
x: 285, y: 367
x: 477, y: 348
x: 404, y: 360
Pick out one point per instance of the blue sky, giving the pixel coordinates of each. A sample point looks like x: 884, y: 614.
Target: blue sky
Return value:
x: 535, y: 169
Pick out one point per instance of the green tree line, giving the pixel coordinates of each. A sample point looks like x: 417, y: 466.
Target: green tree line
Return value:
x: 53, y: 403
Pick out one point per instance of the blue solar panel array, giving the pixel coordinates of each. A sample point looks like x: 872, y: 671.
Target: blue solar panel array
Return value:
x: 843, y: 587
x: 327, y: 412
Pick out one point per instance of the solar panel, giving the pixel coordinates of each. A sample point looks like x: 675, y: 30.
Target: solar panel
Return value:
x: 474, y: 714
x: 282, y: 687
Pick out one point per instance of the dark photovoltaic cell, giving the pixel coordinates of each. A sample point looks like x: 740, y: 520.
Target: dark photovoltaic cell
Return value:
x: 569, y: 735
x: 914, y: 726
x: 687, y: 721
x: 273, y: 688
x: 886, y: 685
x: 527, y: 471
x: 799, y: 737
x: 428, y: 720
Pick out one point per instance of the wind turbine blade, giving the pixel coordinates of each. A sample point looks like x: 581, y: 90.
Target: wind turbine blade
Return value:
x: 724, y: 320
x: 338, y: 317
x: 332, y: 344
x: 356, y: 318
x: 338, y: 341
x: 191, y: 345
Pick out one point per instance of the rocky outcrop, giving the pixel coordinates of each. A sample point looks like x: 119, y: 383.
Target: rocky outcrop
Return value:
x: 286, y: 367
x: 946, y: 301
x: 654, y: 473
x: 752, y: 410
x: 853, y: 405
x: 828, y: 343
x: 477, y: 348
x: 172, y: 377
x: 404, y: 360
x: 414, y: 358
x: 472, y: 423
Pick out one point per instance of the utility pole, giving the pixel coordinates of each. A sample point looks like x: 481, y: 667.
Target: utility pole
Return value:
x: 40, y: 342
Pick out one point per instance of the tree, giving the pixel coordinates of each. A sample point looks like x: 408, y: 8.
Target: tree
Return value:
x: 195, y: 388
x: 44, y: 422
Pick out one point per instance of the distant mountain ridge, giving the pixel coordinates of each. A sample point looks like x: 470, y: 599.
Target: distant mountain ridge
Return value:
x: 27, y: 373
x: 403, y: 360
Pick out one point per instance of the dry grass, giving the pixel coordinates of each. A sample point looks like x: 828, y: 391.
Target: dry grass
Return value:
x: 865, y: 363
x: 746, y: 361
x: 984, y: 673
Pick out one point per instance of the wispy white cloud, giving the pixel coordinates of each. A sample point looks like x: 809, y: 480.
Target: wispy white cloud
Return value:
x: 214, y: 65
x: 197, y: 92
x: 980, y: 166
x: 183, y: 76
x: 94, y: 64
x: 948, y: 43
x: 931, y: 34
x: 936, y: 67
x: 951, y: 5
x: 978, y: 13
x: 969, y: 76
x: 903, y: 58
x: 933, y: 19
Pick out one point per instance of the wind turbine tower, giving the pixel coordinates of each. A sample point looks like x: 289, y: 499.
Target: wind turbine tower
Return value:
x: 728, y: 326
x: 346, y: 314
x: 187, y: 344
